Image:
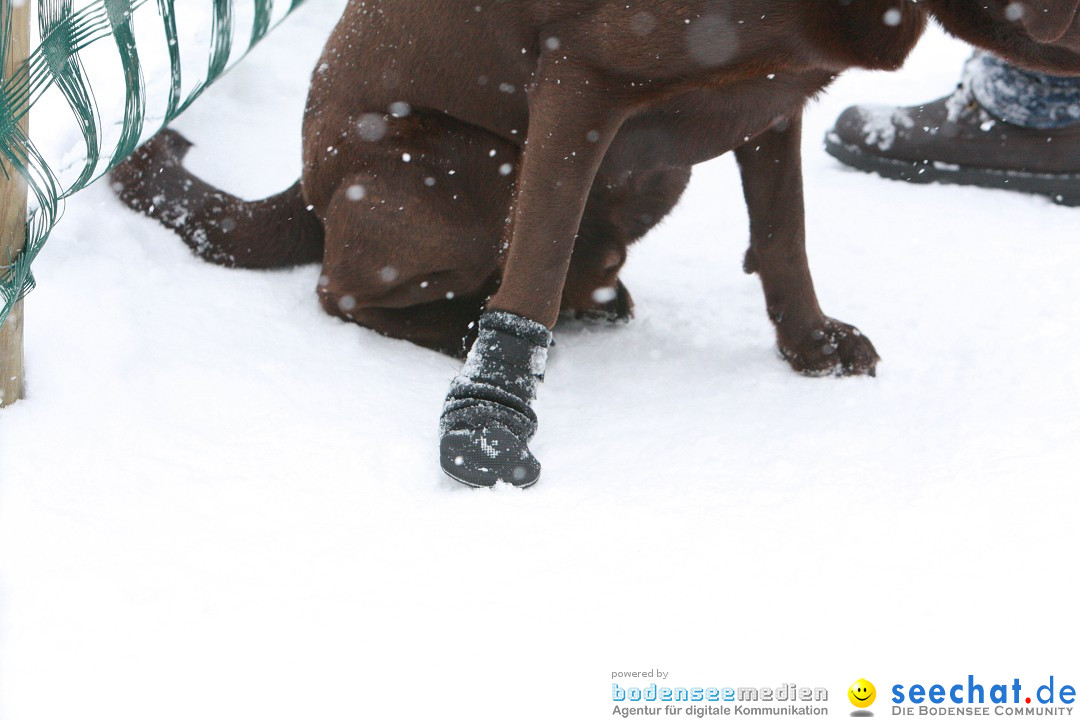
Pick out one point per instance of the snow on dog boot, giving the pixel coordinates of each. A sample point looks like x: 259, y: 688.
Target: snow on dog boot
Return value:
x: 487, y: 421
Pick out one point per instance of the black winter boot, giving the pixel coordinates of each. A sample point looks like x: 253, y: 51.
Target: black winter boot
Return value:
x: 956, y: 140
x: 487, y: 421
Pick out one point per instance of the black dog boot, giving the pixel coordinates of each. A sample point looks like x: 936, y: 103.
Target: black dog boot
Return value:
x: 487, y: 421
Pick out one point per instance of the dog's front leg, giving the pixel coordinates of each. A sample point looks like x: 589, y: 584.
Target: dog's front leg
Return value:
x: 771, y: 167
x: 487, y: 420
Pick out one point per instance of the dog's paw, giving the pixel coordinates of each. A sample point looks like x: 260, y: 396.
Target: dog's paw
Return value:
x: 830, y: 348
x: 607, y: 303
x: 480, y: 456
x: 487, y: 419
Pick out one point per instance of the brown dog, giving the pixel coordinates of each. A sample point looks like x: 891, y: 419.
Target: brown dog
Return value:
x: 500, y: 155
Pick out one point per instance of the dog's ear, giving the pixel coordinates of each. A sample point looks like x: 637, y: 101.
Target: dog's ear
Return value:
x: 1047, y: 20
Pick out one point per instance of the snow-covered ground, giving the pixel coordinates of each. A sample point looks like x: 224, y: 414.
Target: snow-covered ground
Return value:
x: 218, y: 502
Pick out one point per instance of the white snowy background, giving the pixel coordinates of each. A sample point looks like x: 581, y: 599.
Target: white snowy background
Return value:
x: 218, y: 502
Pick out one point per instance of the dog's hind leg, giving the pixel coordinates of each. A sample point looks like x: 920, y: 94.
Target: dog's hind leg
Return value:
x: 447, y: 326
x: 414, y: 230
x: 812, y: 343
x: 615, y: 216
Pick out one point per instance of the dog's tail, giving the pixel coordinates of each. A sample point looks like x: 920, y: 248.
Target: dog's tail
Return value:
x: 276, y: 232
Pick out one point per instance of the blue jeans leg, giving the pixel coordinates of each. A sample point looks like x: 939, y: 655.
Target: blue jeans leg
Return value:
x: 1023, y: 97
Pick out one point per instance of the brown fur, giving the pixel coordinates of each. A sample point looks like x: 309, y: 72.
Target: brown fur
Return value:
x: 598, y: 109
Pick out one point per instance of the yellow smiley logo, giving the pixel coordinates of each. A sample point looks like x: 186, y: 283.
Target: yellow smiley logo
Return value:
x: 862, y: 693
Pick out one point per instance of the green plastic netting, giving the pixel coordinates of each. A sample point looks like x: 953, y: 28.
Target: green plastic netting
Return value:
x: 68, y: 32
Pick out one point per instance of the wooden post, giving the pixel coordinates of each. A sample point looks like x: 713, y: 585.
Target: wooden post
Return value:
x: 13, y: 215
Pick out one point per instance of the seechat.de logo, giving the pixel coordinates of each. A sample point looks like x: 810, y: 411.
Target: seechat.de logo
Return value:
x: 862, y: 695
